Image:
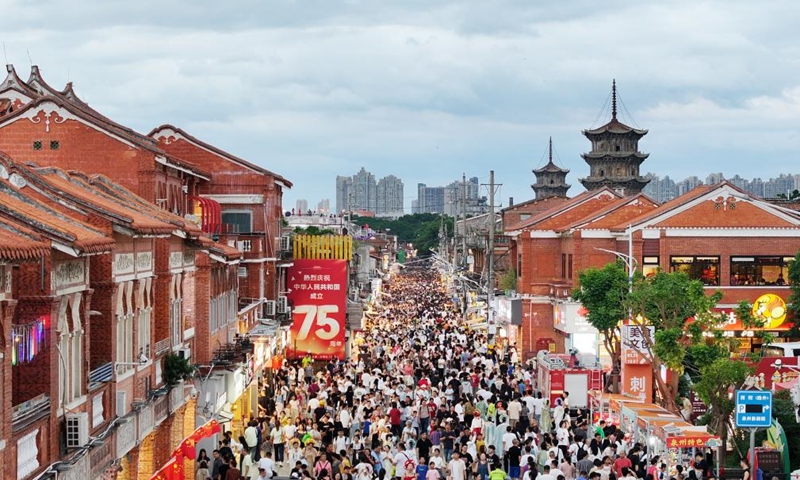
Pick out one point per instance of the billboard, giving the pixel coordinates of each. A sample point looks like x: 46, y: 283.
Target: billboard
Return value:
x: 318, y: 293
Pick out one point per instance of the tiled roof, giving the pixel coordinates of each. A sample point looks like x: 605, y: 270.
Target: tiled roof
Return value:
x: 23, y: 209
x: 79, y: 191
x: 535, y: 221
x: 19, y: 243
x: 579, y: 211
x: 621, y: 211
x: 220, y: 152
x: 667, y: 206
x: 614, y: 126
x: 127, y: 198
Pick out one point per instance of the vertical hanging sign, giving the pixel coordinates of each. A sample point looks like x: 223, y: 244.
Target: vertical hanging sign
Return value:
x: 319, y: 299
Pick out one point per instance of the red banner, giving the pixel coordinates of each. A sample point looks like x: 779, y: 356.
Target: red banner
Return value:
x: 319, y: 298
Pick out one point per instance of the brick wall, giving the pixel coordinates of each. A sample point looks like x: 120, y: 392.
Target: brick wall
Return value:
x: 80, y: 148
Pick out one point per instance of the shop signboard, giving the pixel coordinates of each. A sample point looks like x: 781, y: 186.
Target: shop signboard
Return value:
x: 637, y: 382
x: 689, y: 441
x: 318, y: 295
x: 635, y: 344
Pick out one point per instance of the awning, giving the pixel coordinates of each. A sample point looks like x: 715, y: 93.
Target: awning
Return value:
x: 210, y: 214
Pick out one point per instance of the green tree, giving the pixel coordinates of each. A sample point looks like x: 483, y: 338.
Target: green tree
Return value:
x: 314, y: 230
x: 604, y: 294
x: 714, y: 382
x: 509, y: 280
x: 793, y: 306
x: 667, y: 301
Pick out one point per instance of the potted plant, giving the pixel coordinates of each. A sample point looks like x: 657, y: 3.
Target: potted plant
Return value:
x: 176, y: 369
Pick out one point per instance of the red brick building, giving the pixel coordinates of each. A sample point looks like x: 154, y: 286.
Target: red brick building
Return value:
x: 210, y: 273
x: 719, y: 234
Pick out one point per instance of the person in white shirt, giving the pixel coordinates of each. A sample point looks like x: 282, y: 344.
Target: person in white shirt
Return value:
x: 508, y: 439
x: 457, y: 467
x: 267, y: 464
x: 546, y: 475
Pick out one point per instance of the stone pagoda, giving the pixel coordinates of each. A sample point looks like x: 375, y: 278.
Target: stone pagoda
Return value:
x: 615, y: 157
x: 551, y: 180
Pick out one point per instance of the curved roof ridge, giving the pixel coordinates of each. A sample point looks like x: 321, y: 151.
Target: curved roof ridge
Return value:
x: 218, y: 151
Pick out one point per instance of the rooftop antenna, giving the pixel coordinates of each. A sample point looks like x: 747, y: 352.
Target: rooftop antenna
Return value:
x: 614, y: 99
x: 550, y: 151
x: 29, y: 56
x: 5, y: 55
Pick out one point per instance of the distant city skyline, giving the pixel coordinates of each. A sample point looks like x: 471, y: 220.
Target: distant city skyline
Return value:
x: 663, y: 189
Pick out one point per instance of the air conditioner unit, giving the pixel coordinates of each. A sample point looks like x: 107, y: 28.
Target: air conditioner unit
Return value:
x: 283, y: 304
x: 185, y: 353
x: 269, y: 308
x: 77, y: 429
x: 286, y: 243
x: 242, y: 272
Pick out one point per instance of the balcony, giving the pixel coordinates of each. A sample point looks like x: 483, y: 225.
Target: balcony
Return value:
x: 161, y: 409
x: 250, y: 244
x: 126, y: 435
x: 176, y: 397
x: 27, y: 413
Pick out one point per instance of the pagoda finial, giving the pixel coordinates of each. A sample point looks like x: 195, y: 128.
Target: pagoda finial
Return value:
x: 614, y: 99
x: 550, y: 151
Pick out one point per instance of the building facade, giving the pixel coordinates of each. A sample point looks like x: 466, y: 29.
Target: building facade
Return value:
x: 185, y: 244
x: 717, y: 234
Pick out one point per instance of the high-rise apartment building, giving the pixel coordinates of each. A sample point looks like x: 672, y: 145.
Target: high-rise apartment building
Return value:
x: 344, y: 186
x: 362, y: 192
x: 324, y: 206
x: 301, y: 206
x: 390, y: 197
x: 430, y: 199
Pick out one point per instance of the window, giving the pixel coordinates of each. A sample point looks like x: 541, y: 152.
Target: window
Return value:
x: 124, y: 344
x: 37, y: 144
x: 237, y: 221
x: 772, y: 270
x: 176, y: 310
x: 70, y: 349
x: 649, y: 266
x: 705, y: 269
x: 617, y: 148
x: 519, y: 265
x: 524, y: 216
x: 54, y: 144
x: 569, y: 266
x: 563, y: 265
x: 212, y: 315
x: 145, y: 307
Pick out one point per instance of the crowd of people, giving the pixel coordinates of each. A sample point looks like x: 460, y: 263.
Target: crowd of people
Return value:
x: 424, y: 397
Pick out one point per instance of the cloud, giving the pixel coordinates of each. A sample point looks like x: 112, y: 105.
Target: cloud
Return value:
x: 429, y: 89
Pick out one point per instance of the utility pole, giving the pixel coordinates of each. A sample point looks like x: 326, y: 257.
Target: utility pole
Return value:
x: 463, y: 260
x: 490, y: 257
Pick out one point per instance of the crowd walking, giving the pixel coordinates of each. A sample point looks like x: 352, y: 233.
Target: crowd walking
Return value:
x: 425, y: 397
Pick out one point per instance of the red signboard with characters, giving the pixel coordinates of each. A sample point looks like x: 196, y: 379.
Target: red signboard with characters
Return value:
x: 318, y: 292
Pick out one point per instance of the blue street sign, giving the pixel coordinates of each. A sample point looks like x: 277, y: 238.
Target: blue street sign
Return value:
x: 753, y: 408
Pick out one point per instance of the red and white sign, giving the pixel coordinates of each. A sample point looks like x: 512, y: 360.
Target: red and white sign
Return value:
x: 319, y: 298
x: 635, y: 345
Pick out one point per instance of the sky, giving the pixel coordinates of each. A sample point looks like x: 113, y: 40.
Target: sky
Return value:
x: 428, y: 89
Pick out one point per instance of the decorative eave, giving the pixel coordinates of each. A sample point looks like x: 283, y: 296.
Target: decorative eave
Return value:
x: 167, y: 132
x: 615, y: 127
x: 551, y: 168
x: 615, y: 155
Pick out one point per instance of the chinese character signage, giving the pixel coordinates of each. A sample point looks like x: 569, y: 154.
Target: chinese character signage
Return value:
x: 318, y: 292
x: 753, y: 408
x: 693, y: 441
x: 635, y: 344
x: 637, y: 382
